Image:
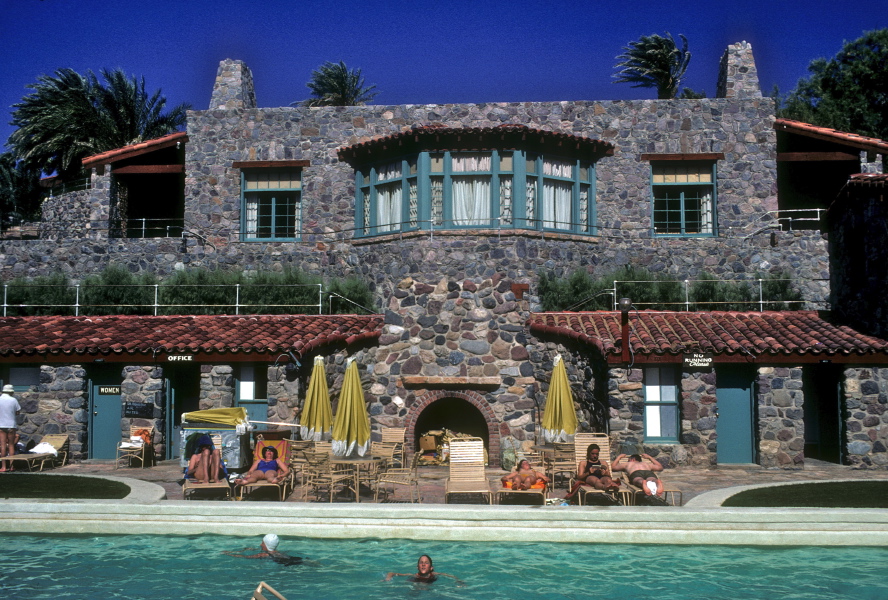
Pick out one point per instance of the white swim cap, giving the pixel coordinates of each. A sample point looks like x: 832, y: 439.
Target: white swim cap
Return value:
x: 271, y: 541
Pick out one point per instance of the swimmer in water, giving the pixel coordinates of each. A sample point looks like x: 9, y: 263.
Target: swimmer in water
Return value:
x: 268, y: 549
x: 425, y: 572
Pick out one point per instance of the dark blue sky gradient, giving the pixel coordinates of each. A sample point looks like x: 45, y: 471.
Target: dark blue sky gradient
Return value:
x: 415, y: 52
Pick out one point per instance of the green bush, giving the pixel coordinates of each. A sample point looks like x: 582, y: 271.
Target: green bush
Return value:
x: 199, y: 292
x: 45, y: 295
x: 358, y: 297
x: 289, y: 292
x: 116, y: 291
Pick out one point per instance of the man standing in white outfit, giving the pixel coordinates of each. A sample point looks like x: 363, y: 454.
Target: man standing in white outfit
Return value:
x: 9, y: 406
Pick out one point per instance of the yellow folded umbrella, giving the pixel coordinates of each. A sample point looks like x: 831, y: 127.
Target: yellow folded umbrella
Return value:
x: 317, y: 416
x: 351, y: 427
x: 559, y: 417
x: 219, y: 416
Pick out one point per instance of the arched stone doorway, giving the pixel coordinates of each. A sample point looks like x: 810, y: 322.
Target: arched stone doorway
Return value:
x: 465, y: 412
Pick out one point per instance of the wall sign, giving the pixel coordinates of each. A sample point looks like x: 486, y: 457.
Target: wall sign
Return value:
x: 698, y: 360
x: 180, y: 358
x: 138, y: 410
x: 109, y: 390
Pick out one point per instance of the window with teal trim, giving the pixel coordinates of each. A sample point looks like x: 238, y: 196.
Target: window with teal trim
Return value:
x: 23, y: 379
x: 271, y: 203
x: 684, y: 198
x: 660, y: 404
x: 476, y: 189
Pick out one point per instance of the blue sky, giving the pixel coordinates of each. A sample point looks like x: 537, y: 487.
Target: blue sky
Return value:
x: 414, y: 52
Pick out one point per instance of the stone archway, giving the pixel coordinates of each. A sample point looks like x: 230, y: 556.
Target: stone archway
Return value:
x: 475, y: 399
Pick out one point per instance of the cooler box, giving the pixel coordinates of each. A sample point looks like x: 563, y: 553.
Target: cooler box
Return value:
x: 231, y: 424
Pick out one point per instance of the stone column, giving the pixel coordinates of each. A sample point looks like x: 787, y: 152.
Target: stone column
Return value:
x: 781, y: 417
x: 866, y: 401
x: 216, y: 387
x: 142, y: 384
x: 233, y: 87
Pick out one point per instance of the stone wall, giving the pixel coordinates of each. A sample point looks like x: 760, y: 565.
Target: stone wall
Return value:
x: 866, y: 401
x: 738, y: 76
x: 216, y: 387
x: 781, y: 422
x: 145, y: 384
x: 57, y: 405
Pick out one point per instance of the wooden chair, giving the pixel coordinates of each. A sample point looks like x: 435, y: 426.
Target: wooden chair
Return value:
x: 581, y: 443
x: 562, y: 463
x: 322, y: 473
x: 467, y: 475
x: 403, y: 476
x: 58, y: 441
x: 259, y: 592
x: 670, y: 493
x: 395, y: 435
x: 130, y: 450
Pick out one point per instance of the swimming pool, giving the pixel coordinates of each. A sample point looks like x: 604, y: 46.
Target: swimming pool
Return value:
x: 74, y: 567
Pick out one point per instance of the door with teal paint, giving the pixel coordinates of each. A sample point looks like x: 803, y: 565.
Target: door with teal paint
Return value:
x: 106, y: 411
x: 736, y: 434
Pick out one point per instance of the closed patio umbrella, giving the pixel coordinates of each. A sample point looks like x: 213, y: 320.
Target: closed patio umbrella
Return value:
x: 317, y: 416
x: 351, y: 427
x: 560, y: 417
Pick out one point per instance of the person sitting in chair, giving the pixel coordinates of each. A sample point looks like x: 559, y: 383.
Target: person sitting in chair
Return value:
x: 269, y: 468
x: 205, y: 463
x: 593, y: 472
x: 641, y: 469
x: 524, y: 477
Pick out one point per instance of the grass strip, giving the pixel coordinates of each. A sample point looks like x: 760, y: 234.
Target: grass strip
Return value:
x: 828, y: 494
x: 49, y: 487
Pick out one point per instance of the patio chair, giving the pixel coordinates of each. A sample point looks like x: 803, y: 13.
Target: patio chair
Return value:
x: 467, y: 475
x: 395, y: 435
x: 400, y: 476
x: 283, y: 486
x: 581, y: 443
x: 323, y: 474
x: 137, y: 447
x: 191, y: 486
x: 58, y: 442
x: 61, y: 443
x: 562, y: 463
x: 259, y: 592
x: 670, y: 493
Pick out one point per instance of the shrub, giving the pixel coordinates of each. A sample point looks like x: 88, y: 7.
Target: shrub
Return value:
x: 116, y: 291
x: 44, y: 295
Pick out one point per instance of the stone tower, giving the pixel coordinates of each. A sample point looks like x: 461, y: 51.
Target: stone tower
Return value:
x: 737, y: 75
x: 233, y: 87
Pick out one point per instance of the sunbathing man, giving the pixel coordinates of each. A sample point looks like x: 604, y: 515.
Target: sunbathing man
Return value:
x: 268, y: 549
x: 593, y: 472
x: 524, y: 477
x: 205, y: 463
x: 270, y: 468
x: 641, y: 469
x: 425, y: 572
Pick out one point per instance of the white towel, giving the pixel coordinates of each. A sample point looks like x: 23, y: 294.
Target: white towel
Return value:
x: 44, y: 448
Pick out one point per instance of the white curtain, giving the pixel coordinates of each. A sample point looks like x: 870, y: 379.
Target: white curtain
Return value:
x: 388, y: 206
x: 252, y: 215
x: 706, y: 213
x: 556, y: 204
x: 558, y: 168
x: 470, y: 163
x: 471, y: 201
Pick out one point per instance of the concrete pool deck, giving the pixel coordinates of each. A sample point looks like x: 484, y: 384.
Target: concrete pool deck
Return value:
x: 150, y: 510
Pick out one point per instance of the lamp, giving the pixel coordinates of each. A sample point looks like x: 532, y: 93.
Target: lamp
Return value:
x: 625, y: 305
x: 294, y: 362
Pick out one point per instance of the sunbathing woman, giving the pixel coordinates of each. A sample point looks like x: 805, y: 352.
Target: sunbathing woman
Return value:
x: 593, y: 472
x: 524, y: 477
x: 271, y: 468
x: 425, y: 572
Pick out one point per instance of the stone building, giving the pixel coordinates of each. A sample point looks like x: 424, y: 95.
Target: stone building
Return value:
x: 452, y: 213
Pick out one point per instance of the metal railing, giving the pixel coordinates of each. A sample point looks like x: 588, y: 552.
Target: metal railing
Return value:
x: 74, y: 185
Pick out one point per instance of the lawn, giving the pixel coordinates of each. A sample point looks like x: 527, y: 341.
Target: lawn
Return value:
x: 828, y: 494
x: 48, y: 487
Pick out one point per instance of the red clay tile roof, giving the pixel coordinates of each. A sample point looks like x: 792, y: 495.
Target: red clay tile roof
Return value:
x: 118, y: 154
x: 99, y: 337
x: 832, y: 135
x: 503, y: 136
x: 770, y: 333
x: 869, y: 179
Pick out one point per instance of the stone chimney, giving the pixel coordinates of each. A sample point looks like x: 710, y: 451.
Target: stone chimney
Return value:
x: 737, y: 75
x: 233, y: 87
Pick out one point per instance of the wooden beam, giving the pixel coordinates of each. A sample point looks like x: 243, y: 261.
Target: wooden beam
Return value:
x: 689, y: 156
x: 131, y: 169
x: 815, y: 156
x: 264, y: 164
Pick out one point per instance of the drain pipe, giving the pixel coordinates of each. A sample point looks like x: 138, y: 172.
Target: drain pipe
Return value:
x: 625, y: 305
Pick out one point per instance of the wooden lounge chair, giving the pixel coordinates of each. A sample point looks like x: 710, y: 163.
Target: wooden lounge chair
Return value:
x: 135, y: 448
x: 670, y: 493
x: 59, y: 442
x: 467, y: 475
x: 400, y: 476
x: 260, y: 592
x: 581, y: 443
x: 284, y: 486
x: 395, y: 435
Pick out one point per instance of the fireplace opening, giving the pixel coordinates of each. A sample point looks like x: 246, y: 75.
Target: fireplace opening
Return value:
x: 454, y: 414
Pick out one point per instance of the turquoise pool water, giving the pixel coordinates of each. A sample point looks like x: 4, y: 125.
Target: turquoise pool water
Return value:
x: 191, y: 567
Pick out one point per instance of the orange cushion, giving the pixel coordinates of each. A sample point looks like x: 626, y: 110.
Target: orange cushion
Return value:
x: 539, y: 485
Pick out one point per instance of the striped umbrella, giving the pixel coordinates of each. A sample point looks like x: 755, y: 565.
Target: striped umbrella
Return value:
x: 560, y: 416
x: 317, y: 416
x: 351, y: 427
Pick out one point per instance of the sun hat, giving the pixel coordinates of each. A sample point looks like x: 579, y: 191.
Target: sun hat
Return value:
x: 8, y: 389
x: 271, y: 541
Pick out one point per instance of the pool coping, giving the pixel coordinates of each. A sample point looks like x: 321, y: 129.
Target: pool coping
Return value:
x: 699, y: 522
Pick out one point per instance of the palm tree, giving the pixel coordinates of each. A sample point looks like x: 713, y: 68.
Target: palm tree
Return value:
x: 19, y: 191
x: 334, y: 84
x: 654, y: 61
x: 69, y: 116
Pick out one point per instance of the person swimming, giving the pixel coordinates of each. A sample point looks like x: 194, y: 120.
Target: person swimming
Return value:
x: 268, y: 549
x: 425, y: 572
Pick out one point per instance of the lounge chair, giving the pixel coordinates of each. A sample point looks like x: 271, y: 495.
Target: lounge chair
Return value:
x: 395, y: 435
x: 400, y: 476
x: 58, y: 442
x: 259, y: 592
x: 670, y: 493
x: 467, y: 475
x: 136, y: 447
x: 284, y: 486
x: 581, y: 443
x: 190, y: 486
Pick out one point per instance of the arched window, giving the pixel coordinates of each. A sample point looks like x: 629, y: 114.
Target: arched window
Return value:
x: 491, y: 181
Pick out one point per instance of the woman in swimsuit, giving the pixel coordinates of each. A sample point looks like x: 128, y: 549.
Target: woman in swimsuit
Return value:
x: 425, y: 572
x: 593, y: 472
x: 270, y: 468
x: 524, y: 476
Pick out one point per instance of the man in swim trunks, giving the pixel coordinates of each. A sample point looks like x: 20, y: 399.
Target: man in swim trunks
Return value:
x: 268, y: 549
x: 524, y: 477
x: 641, y: 468
x: 270, y: 468
x: 425, y: 572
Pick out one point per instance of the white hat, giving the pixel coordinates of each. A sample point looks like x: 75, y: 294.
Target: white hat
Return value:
x: 8, y: 389
x: 652, y: 486
x: 271, y: 541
